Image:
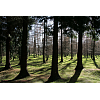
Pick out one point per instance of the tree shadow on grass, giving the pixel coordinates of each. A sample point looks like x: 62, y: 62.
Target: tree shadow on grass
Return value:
x: 34, y: 79
x: 38, y: 63
x: 40, y: 71
x: 63, y: 68
x: 96, y: 64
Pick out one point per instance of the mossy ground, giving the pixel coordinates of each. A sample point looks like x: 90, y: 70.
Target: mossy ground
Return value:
x: 40, y: 72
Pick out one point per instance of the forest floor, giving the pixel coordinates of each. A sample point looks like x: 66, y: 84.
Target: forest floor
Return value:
x: 39, y: 72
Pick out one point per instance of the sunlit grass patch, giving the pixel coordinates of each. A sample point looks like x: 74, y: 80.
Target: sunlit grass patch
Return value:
x: 40, y: 72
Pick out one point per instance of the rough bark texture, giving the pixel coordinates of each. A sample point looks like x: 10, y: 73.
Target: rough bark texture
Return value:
x: 54, y: 69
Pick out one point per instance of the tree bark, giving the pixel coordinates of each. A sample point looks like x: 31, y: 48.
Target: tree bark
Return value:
x: 34, y: 45
x: 23, y: 72
x: 87, y: 46
x: 54, y: 69
x: 79, y: 55
x: 8, y: 66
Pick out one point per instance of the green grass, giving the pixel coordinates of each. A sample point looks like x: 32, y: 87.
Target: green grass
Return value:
x: 39, y: 72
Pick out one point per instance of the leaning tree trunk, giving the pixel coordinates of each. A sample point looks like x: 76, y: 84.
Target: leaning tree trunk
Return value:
x: 54, y: 69
x: 8, y: 66
x: 79, y: 55
x: 23, y: 72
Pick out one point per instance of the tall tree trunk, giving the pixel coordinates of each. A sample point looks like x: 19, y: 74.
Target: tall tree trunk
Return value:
x: 61, y: 44
x: 71, y: 47
x: 23, y: 72
x: 44, y: 45
x: 79, y: 55
x: 84, y: 48
x: 34, y: 45
x: 8, y: 66
x: 87, y: 46
x: 54, y: 69
x: 38, y: 50
x: 65, y: 47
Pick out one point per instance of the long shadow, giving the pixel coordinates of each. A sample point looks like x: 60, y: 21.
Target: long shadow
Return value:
x: 36, y: 63
x: 96, y: 64
x: 67, y: 65
x: 75, y: 76
x: 35, y: 79
x: 42, y: 70
x: 62, y: 62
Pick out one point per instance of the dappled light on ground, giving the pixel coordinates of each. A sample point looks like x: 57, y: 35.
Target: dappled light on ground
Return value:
x: 39, y: 72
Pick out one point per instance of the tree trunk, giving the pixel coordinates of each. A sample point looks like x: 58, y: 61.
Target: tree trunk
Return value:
x: 38, y: 50
x: 23, y: 72
x: 8, y: 66
x: 87, y: 46
x: 61, y: 44
x: 65, y: 47
x: 34, y: 45
x: 44, y: 45
x: 79, y: 55
x: 54, y: 69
